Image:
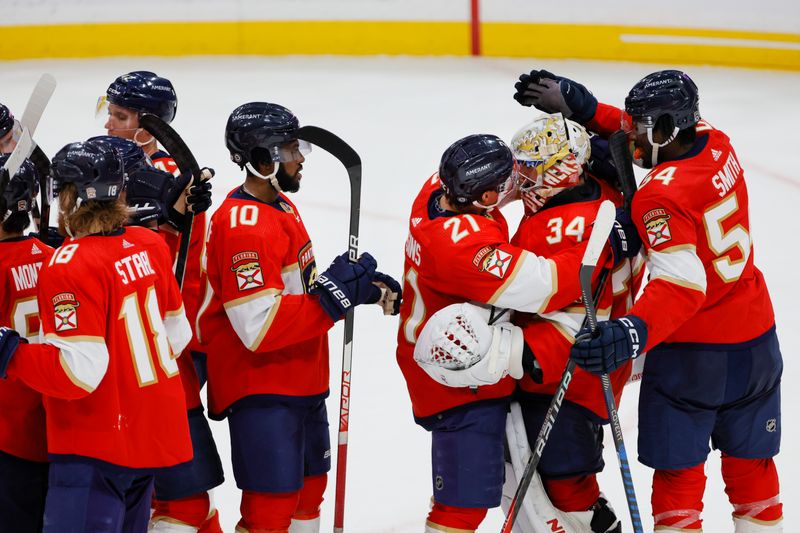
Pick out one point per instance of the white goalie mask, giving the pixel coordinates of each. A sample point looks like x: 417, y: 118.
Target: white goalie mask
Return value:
x: 551, y: 151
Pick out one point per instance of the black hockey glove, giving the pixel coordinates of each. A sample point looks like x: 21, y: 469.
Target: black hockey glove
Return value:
x: 553, y: 94
x: 624, y: 239
x: 198, y: 198
x: 601, y: 164
x: 9, y: 340
x: 614, y: 343
x: 345, y: 285
x: 146, y: 193
x: 391, y: 293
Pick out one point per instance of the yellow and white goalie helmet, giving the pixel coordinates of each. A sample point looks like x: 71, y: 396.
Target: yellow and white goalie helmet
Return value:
x: 551, y: 151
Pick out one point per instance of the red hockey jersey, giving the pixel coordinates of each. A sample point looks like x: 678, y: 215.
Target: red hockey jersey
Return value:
x: 693, y: 216
x: 22, y: 424
x: 263, y: 332
x: 452, y: 258
x: 113, y: 321
x: 192, y: 285
x: 565, y: 222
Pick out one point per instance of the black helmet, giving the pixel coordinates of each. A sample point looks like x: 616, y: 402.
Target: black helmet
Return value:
x: 474, y: 165
x: 145, y: 92
x: 256, y: 131
x: 20, y: 191
x: 95, y: 167
x: 667, y: 92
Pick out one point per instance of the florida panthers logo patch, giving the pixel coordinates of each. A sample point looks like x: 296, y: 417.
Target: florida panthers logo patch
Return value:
x: 656, y: 222
x: 497, y: 262
x: 247, y: 270
x: 65, y: 306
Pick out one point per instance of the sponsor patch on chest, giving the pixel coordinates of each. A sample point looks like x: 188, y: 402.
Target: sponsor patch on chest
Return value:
x: 247, y: 269
x: 65, y: 306
x: 656, y: 222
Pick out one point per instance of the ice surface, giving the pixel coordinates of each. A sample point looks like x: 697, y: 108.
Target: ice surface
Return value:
x: 400, y: 114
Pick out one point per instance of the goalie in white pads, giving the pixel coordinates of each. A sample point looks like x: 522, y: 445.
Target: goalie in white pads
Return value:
x: 561, y: 199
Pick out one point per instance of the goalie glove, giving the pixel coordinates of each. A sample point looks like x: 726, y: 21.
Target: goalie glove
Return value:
x: 459, y: 348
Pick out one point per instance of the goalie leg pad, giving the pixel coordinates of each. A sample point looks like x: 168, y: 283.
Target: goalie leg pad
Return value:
x: 753, y: 489
x: 575, y: 445
x: 467, y: 454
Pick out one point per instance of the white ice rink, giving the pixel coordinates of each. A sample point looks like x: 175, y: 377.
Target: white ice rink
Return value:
x: 400, y: 114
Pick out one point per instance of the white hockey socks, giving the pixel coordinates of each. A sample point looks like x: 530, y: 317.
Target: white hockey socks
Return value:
x: 744, y: 525
x: 305, y: 526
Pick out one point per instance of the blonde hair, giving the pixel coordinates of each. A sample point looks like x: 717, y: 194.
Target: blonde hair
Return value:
x: 92, y: 216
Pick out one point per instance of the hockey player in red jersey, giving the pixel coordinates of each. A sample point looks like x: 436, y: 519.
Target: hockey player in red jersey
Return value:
x: 112, y: 320
x: 23, y: 443
x: 711, y: 370
x: 458, y: 250
x: 182, y: 497
x: 265, y: 320
x: 561, y: 200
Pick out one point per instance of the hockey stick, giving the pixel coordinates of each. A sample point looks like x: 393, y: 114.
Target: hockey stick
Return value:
x: 352, y: 162
x: 621, y: 155
x: 40, y: 97
x: 604, y: 222
x: 184, y: 159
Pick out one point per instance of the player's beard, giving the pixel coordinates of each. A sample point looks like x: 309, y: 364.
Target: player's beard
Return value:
x: 287, y: 182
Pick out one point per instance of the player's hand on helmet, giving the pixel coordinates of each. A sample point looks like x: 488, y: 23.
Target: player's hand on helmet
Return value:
x: 9, y: 340
x: 391, y: 293
x: 624, y: 238
x: 182, y: 197
x: 461, y: 346
x: 553, y: 94
x: 614, y: 343
x: 345, y: 285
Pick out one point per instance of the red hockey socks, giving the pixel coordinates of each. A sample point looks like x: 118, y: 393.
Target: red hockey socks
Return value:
x: 310, y: 500
x: 752, y: 488
x: 211, y: 525
x: 192, y: 510
x: 678, y: 498
x: 454, y: 519
x: 573, y: 494
x: 267, y: 512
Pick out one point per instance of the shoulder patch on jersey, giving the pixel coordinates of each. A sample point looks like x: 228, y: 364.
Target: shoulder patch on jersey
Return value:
x: 415, y: 221
x: 716, y: 154
x: 308, y: 266
x: 656, y: 222
x: 65, y: 306
x: 495, y: 262
x: 481, y: 255
x: 35, y: 250
x: 247, y: 269
x: 126, y: 244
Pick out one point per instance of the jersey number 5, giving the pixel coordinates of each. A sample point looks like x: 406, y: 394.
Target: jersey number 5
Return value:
x: 721, y: 241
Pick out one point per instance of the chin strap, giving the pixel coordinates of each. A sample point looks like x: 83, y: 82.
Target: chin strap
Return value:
x: 273, y: 180
x: 139, y: 143
x: 656, y: 146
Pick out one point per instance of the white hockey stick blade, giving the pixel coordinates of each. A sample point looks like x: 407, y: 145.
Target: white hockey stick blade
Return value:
x: 25, y: 146
x: 603, y: 223
x: 37, y: 102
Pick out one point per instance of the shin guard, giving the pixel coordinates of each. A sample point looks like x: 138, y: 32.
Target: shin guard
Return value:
x: 678, y: 498
x: 267, y: 512
x: 753, y: 490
